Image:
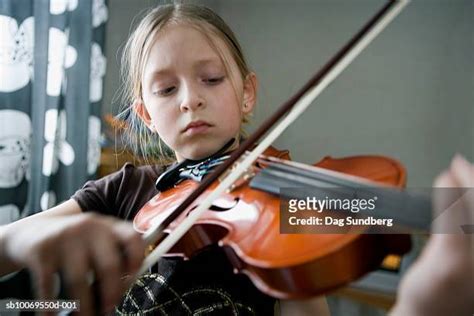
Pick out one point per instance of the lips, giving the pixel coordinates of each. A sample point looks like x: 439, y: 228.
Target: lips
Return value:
x: 196, y: 126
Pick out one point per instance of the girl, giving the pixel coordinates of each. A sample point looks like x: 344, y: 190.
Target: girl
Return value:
x: 188, y: 82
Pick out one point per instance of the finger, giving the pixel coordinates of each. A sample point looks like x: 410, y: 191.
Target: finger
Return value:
x: 43, y: 265
x: 75, y: 268
x: 449, y: 211
x: 44, y: 281
x: 133, y: 245
x: 463, y: 171
x: 445, y: 198
x: 109, y: 267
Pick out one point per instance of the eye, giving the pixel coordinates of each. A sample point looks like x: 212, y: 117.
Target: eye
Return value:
x: 164, y: 92
x: 214, y: 80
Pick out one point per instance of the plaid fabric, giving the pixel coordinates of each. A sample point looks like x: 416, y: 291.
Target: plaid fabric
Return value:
x: 151, y: 295
x: 204, y: 285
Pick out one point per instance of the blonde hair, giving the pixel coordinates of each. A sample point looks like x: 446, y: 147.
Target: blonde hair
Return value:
x: 135, y: 55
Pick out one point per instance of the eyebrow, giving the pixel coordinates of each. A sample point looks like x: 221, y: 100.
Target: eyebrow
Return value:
x: 198, y: 64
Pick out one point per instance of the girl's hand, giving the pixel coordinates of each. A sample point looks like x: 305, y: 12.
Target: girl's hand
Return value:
x: 441, y: 281
x: 78, y: 246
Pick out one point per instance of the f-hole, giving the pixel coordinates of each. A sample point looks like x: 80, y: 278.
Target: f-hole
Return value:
x: 218, y: 208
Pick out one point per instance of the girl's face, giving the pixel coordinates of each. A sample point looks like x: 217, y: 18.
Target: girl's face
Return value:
x: 190, y: 99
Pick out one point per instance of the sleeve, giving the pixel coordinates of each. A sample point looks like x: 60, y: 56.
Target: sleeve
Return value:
x: 120, y: 194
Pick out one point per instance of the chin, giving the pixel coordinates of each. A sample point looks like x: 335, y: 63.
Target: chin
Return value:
x: 198, y: 153
x: 201, y: 151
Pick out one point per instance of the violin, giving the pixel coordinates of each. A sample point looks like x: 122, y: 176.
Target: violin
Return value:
x: 237, y: 205
x: 245, y: 223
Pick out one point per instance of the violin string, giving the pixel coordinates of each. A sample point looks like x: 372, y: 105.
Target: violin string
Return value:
x: 407, y: 209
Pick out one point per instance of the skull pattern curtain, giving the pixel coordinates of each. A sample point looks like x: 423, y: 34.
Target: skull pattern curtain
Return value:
x: 52, y: 67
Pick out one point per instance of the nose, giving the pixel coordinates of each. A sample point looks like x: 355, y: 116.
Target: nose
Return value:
x: 191, y: 99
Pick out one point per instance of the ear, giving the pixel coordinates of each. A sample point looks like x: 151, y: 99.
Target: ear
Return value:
x: 140, y: 109
x: 250, y: 93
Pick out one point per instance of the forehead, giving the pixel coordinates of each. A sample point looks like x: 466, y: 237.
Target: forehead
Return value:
x: 185, y: 45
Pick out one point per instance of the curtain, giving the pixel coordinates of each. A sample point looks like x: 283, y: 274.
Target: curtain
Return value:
x: 52, y: 67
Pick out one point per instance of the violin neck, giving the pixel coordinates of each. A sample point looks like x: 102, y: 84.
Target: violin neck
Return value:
x: 409, y: 211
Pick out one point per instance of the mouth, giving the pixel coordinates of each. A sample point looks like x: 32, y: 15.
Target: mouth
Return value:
x: 196, y: 127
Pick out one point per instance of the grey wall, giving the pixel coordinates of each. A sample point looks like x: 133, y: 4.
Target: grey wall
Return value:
x: 409, y: 95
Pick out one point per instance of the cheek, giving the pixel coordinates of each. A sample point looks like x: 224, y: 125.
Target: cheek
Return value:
x: 232, y: 118
x: 163, y: 121
x: 165, y: 124
x: 232, y: 100
x: 166, y: 132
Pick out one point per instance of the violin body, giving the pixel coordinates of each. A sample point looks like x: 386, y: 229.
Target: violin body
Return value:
x: 246, y: 224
